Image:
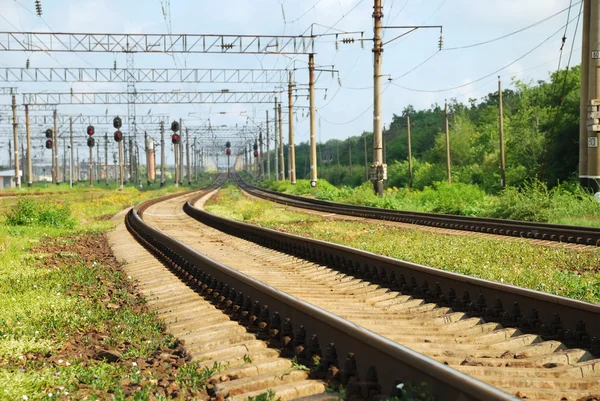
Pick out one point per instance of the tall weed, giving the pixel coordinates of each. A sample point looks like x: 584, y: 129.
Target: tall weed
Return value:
x: 29, y: 212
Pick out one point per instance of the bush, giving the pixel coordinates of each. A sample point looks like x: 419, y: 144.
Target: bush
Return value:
x: 28, y: 212
x: 531, y: 203
x: 460, y: 199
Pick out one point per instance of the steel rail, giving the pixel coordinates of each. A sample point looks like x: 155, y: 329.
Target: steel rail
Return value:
x: 572, y: 322
x: 373, y: 365
x: 513, y: 228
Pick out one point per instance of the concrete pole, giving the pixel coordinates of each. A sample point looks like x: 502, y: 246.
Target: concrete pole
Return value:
x: 275, y: 147
x: 281, y: 159
x: 313, y: 122
x: 130, y: 149
x: 9, y: 154
x: 448, y: 172
x: 366, y: 160
x: 377, y: 165
x: 77, y: 166
x: 268, y: 167
x: 162, y: 153
x: 187, y: 156
x: 175, y: 151
x: 92, y: 165
x: 28, y: 132
x: 410, y: 166
x: 71, y: 152
x: 583, y: 94
x: 291, y: 149
x: 64, y: 159
x: 23, y: 157
x: 121, y: 169
x: 501, y: 119
x: 106, y: 156
x: 260, y: 150
x: 276, y: 136
x: 54, y: 168
x: 594, y: 95
x: 16, y: 141
x: 98, y: 163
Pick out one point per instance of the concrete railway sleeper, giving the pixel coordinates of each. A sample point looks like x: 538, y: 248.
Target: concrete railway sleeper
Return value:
x: 512, y: 228
x: 545, y: 356
x: 368, y: 365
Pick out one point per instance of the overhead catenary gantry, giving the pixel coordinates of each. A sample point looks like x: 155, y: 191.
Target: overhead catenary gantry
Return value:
x: 219, y: 97
x: 156, y: 43
x: 145, y: 75
x: 64, y: 119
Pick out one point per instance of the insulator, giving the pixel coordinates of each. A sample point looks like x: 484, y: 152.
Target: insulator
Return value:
x: 38, y: 8
x: 362, y: 42
x: 27, y: 64
x: 339, y: 81
x: 115, y: 65
x: 337, y: 47
x: 441, y: 43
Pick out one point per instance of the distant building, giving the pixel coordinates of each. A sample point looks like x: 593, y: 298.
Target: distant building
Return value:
x: 7, y: 179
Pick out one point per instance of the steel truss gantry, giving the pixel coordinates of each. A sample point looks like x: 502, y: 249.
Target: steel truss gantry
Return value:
x: 63, y: 119
x: 148, y: 97
x: 144, y: 75
x: 155, y: 43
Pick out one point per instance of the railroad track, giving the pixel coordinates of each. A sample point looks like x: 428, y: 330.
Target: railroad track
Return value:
x: 545, y: 354
x: 337, y: 350
x: 512, y: 228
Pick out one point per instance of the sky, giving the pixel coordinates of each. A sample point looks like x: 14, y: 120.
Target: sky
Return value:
x: 345, y: 107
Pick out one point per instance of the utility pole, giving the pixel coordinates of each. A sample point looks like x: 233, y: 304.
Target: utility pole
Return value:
x: 291, y: 149
x: 275, y: 135
x: 378, y: 173
x: 121, y: 144
x: 448, y: 172
x: 28, y: 132
x: 410, y: 166
x: 131, y: 175
x: 55, y: 149
x: 593, y: 97
x: 195, y: 161
x: 501, y: 120
x: 22, y: 157
x: 64, y: 159
x: 260, y: 153
x: 180, y: 153
x: 268, y: 150
x: 9, y: 154
x: 313, y: 123
x: 71, y: 152
x: 92, y: 165
x: 78, y: 171
x: 162, y: 153
x: 98, y: 163
x: 187, y: 156
x: 350, y: 156
x: 175, y: 151
x: 583, y: 94
x: 281, y: 159
x: 16, y: 141
x: 106, y: 155
x: 366, y: 160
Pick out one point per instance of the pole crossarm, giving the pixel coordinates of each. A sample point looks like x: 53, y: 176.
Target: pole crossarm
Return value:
x: 63, y: 119
x: 155, y: 43
x: 148, y: 97
x: 144, y: 75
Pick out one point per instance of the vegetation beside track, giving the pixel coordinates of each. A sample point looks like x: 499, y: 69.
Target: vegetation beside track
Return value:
x: 564, y: 204
x: 550, y: 269
x: 66, y: 301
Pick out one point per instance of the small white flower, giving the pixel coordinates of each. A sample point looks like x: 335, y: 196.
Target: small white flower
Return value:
x: 133, y: 363
x: 50, y: 395
x: 400, y: 386
x: 25, y: 397
x: 21, y: 357
x: 67, y: 364
x: 66, y: 393
x: 60, y: 361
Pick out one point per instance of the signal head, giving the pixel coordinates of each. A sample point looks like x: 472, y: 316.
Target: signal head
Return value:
x: 174, y: 126
x: 227, y: 144
x: 91, y: 142
x: 175, y: 139
x: 90, y: 130
x: 228, y: 151
x: 118, y: 136
x: 49, y: 133
x: 48, y: 143
x: 117, y: 123
x: 255, y: 153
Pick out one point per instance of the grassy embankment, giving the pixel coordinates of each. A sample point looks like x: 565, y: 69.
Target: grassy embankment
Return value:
x: 553, y: 270
x: 64, y: 295
x: 565, y: 204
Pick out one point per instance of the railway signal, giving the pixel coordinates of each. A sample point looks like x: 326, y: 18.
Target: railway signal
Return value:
x: 255, y: 153
x: 90, y: 130
x: 48, y: 133
x: 48, y: 143
x: 91, y: 142
x: 174, y: 126
x: 117, y: 123
x: 175, y: 138
x: 118, y: 136
x: 228, y: 152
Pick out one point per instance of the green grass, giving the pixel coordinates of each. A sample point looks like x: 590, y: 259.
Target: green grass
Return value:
x: 564, y: 204
x: 45, y: 305
x: 554, y: 270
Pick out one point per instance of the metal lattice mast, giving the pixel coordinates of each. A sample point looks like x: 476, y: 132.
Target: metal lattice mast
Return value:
x: 131, y: 95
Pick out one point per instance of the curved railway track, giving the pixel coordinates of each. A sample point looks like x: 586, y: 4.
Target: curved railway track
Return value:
x: 512, y: 228
x: 547, y: 354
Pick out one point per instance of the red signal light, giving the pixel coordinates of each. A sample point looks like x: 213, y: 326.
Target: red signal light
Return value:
x: 255, y: 153
x: 90, y: 130
x: 49, y: 144
x: 118, y: 136
x: 175, y: 138
x: 228, y: 151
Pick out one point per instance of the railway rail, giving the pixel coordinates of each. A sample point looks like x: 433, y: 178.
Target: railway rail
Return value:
x: 368, y: 364
x: 512, y: 228
x: 550, y: 353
